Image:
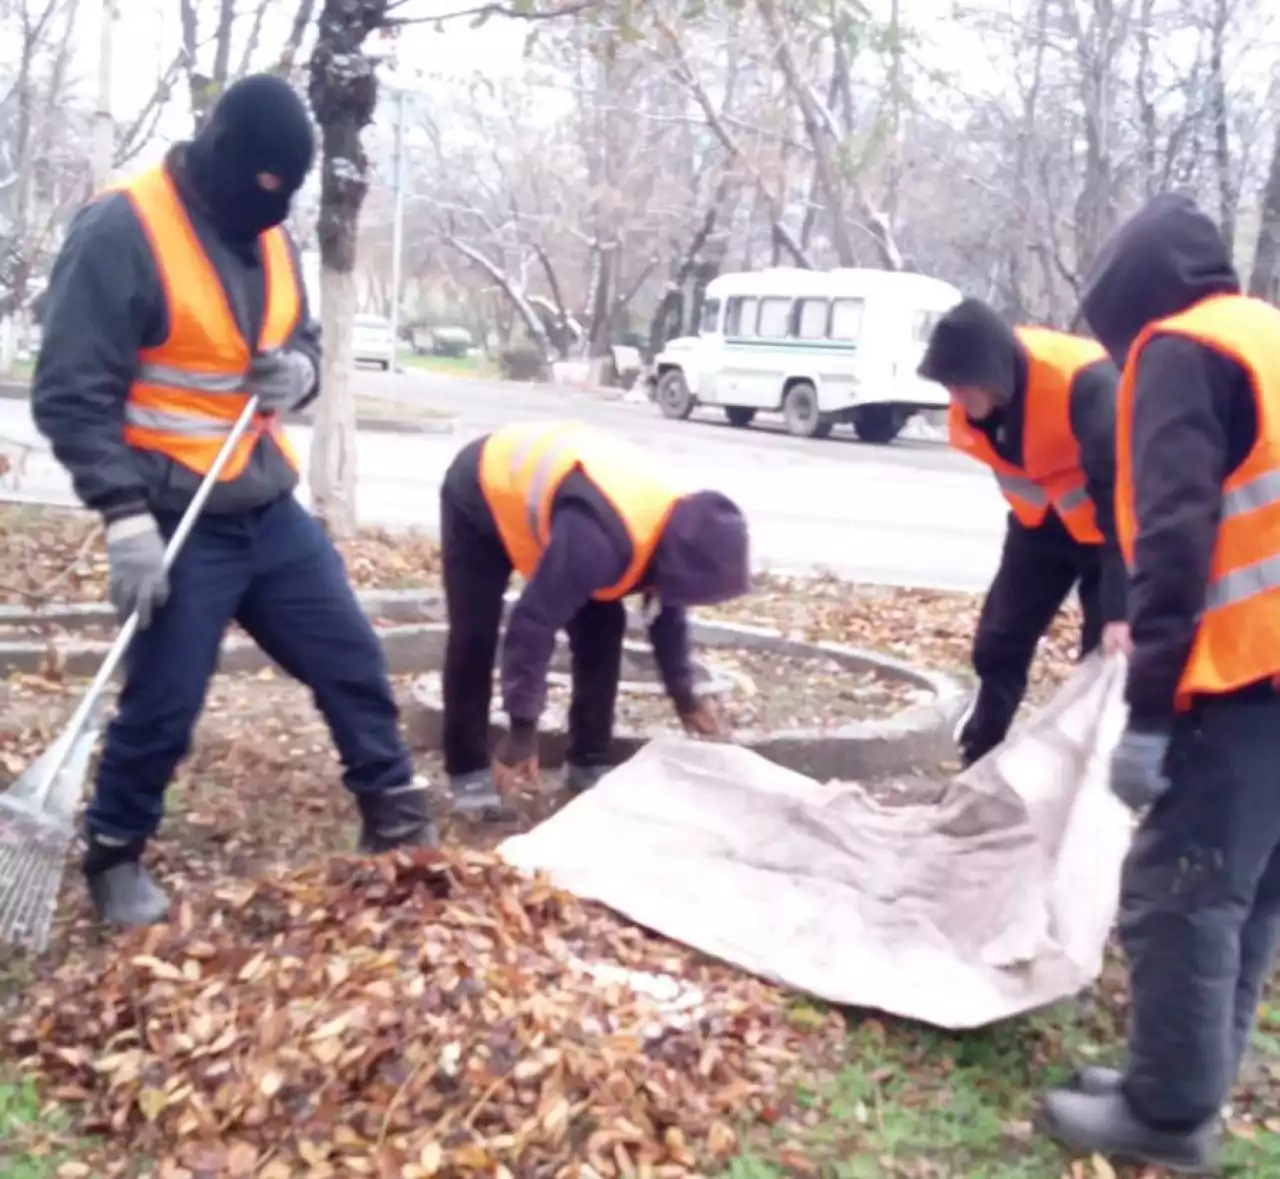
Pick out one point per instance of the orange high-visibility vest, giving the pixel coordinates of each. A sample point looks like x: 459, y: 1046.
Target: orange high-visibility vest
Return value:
x: 1237, y: 641
x: 1052, y: 474
x: 190, y: 390
x: 523, y: 466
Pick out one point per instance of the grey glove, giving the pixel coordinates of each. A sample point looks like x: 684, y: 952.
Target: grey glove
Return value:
x: 136, y: 579
x: 281, y: 379
x: 1137, y: 768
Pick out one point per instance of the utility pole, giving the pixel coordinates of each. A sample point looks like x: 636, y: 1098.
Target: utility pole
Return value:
x: 104, y: 132
x: 397, y: 232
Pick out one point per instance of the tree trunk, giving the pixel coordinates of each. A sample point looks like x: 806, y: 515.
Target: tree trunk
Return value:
x: 343, y: 89
x: 1266, y: 258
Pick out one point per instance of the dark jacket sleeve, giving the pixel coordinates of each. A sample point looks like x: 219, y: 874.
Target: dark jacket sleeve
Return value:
x: 1179, y: 460
x: 306, y: 336
x: 580, y: 559
x: 1093, y: 421
x: 669, y: 634
x: 103, y: 304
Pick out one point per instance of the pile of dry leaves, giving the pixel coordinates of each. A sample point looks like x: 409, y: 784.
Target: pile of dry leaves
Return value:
x: 433, y: 1015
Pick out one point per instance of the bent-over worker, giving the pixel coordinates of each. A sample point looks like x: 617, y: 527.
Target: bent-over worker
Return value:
x: 175, y: 298
x: 587, y: 519
x: 1198, y: 510
x: 1037, y: 407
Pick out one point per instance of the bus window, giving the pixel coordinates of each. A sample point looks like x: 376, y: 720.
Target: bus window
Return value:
x: 740, y: 317
x: 710, y: 317
x: 775, y: 319
x: 846, y: 319
x: 811, y: 320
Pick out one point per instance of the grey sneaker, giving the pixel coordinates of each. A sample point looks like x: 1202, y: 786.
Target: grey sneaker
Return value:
x: 580, y: 779
x: 475, y: 796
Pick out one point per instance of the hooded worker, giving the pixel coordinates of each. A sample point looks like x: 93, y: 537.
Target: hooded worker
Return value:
x: 175, y: 298
x: 587, y: 519
x: 1037, y: 407
x: 1198, y: 512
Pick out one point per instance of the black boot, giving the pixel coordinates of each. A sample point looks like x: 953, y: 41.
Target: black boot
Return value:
x: 1096, y: 1080
x: 1103, y: 1123
x: 579, y: 779
x: 399, y: 817
x: 120, y: 887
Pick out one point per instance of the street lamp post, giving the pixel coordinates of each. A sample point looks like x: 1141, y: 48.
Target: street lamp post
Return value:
x: 397, y: 233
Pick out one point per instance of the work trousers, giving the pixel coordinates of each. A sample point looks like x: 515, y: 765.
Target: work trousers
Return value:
x: 1200, y: 909
x: 476, y: 573
x: 1039, y: 567
x: 275, y: 572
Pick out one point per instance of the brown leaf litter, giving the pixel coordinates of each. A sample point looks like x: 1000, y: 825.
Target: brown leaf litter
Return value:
x: 430, y: 1015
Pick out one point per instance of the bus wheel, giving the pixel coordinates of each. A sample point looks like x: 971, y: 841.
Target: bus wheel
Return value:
x: 673, y: 396
x: 739, y: 415
x: 800, y: 411
x: 879, y: 423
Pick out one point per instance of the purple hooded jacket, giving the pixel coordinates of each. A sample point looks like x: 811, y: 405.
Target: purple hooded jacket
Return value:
x: 702, y: 559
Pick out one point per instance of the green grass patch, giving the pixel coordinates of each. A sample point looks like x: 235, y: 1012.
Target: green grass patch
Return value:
x: 453, y: 366
x: 31, y: 1134
x: 911, y: 1102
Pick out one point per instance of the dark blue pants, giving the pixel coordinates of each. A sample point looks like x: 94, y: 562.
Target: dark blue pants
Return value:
x: 1200, y: 909
x: 276, y: 573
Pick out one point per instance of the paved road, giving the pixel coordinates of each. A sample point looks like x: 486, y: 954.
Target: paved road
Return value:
x: 912, y: 513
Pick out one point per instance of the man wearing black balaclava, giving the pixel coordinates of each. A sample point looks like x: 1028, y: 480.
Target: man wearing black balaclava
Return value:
x: 175, y: 298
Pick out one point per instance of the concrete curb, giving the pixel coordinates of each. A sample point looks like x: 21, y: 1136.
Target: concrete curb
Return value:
x: 16, y: 391
x: 918, y: 737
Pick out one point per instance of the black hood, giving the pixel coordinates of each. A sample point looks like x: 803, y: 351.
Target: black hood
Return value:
x: 972, y: 347
x: 1167, y: 257
x: 259, y: 126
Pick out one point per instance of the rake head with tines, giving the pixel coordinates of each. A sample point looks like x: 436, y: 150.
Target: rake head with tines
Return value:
x: 37, y: 828
x: 37, y: 813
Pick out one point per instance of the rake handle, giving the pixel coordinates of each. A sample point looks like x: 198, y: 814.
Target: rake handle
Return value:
x: 110, y: 664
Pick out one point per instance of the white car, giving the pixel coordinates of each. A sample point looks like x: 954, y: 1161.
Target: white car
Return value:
x: 371, y: 341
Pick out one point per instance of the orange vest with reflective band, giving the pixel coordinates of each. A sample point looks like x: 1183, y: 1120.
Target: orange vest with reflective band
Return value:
x: 522, y: 468
x: 1052, y: 475
x: 1237, y: 641
x: 190, y: 390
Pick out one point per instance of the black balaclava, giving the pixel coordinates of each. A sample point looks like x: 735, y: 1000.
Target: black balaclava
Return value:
x: 259, y: 125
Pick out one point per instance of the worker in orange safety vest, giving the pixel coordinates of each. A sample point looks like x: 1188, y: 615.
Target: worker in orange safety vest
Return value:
x: 1038, y: 408
x: 1198, y: 514
x: 587, y: 519
x: 175, y: 298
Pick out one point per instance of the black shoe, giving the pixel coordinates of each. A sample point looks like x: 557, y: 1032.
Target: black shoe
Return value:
x: 1103, y: 1123
x: 121, y: 889
x: 475, y: 796
x: 395, y: 818
x: 580, y: 779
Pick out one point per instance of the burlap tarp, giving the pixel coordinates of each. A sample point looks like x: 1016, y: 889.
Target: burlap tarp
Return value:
x: 993, y: 898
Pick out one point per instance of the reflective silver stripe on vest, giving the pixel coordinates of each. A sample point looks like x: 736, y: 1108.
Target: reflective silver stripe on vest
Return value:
x: 1260, y: 492
x: 170, y: 422
x: 1244, y: 583
x: 193, y: 379
x: 1023, y: 488
x: 174, y: 421
x: 542, y: 475
x: 1077, y: 497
